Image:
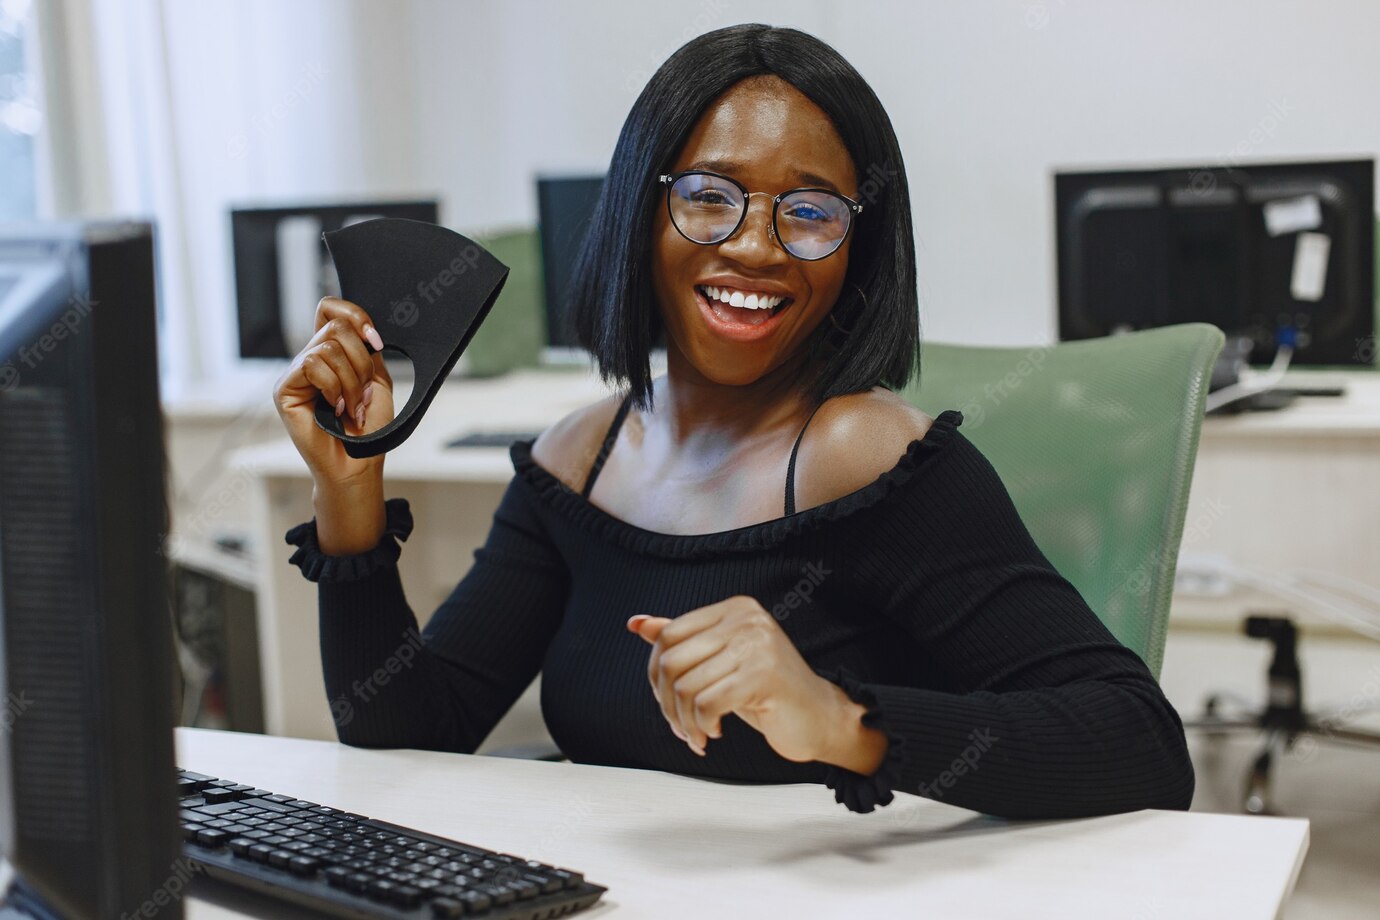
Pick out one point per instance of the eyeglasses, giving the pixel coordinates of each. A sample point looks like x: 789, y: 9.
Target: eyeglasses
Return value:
x: 708, y: 208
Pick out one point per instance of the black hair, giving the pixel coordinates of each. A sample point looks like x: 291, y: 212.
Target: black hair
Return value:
x: 611, y: 306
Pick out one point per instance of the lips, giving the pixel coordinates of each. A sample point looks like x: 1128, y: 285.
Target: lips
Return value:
x: 738, y: 324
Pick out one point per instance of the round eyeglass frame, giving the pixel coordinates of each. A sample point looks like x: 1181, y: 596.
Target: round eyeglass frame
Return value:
x: 670, y: 179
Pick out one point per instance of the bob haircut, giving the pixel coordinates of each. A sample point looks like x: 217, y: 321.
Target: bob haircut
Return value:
x: 611, y: 301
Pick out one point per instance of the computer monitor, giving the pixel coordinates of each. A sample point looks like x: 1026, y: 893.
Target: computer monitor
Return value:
x: 565, y: 206
x: 282, y: 268
x: 1277, y: 252
x: 87, y: 799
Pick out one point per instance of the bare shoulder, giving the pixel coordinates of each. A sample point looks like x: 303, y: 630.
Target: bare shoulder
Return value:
x: 567, y: 448
x: 851, y: 441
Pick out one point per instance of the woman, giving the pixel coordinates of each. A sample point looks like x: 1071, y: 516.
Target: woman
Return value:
x: 888, y: 624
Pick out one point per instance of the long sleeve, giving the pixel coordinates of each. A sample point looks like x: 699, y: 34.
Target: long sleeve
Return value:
x: 446, y: 687
x: 1042, y: 713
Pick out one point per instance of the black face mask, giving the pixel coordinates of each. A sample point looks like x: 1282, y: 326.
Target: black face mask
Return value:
x: 427, y: 290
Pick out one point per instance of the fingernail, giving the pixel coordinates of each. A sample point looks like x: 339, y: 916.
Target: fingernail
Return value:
x: 340, y: 405
x: 636, y: 621
x: 368, y: 393
x: 359, y: 415
x: 679, y: 734
x: 697, y: 749
x: 372, y: 335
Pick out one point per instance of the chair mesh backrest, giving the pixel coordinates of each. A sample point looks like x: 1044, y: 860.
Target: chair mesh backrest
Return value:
x: 1095, y: 440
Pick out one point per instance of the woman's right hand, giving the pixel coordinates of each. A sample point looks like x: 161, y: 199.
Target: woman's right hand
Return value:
x: 337, y: 363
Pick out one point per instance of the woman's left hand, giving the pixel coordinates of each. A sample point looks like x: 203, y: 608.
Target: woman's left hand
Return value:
x: 733, y: 657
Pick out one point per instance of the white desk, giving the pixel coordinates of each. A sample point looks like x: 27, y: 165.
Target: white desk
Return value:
x: 670, y: 846
x: 1297, y: 488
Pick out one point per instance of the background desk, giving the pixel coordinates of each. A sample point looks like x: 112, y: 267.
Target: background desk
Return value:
x: 1296, y: 487
x: 670, y: 846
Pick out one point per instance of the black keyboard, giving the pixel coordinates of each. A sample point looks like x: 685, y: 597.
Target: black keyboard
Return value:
x: 347, y: 865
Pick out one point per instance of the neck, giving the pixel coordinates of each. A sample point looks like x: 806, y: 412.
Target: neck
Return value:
x: 694, y: 412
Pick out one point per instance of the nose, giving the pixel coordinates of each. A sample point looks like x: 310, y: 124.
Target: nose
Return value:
x: 754, y: 242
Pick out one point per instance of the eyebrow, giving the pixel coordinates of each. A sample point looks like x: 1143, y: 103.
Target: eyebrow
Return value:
x: 729, y: 167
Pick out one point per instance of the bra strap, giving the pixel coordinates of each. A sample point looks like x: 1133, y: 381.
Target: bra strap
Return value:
x: 790, y: 468
x: 607, y: 446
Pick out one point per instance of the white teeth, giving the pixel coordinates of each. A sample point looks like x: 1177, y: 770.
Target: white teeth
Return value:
x: 751, y: 301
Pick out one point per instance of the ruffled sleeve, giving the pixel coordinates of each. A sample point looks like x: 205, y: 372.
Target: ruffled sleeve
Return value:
x: 862, y: 793
x: 1014, y: 699
x: 318, y: 566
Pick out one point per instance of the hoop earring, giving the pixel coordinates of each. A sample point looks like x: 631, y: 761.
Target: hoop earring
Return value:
x: 849, y: 330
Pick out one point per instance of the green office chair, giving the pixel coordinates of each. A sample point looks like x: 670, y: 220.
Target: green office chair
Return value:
x: 514, y: 332
x: 1095, y: 440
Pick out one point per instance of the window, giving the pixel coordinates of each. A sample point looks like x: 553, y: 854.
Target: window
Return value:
x: 20, y: 116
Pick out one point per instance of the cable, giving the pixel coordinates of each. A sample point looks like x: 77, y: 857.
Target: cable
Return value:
x: 1250, y: 386
x: 1276, y: 583
x: 1358, y: 588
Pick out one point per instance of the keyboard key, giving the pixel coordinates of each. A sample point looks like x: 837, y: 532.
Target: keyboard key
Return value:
x: 358, y: 882
x: 259, y: 852
x: 212, y: 837
x: 336, y: 876
x: 475, y: 900
x: 240, y: 846
x: 524, y: 888
x: 380, y: 888
x: 569, y: 878
x: 501, y: 894
x: 215, y: 796
x: 447, y: 907
x: 406, y: 896
x: 546, y: 884
x: 279, y: 858
x: 303, y: 866
x: 186, y: 784
x: 224, y: 808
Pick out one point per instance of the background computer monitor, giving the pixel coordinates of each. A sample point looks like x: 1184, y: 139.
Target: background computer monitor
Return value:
x: 87, y: 798
x: 565, y: 206
x: 1273, y: 251
x: 282, y: 268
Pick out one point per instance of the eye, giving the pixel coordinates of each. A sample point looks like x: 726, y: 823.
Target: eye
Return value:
x: 711, y: 197
x: 804, y: 210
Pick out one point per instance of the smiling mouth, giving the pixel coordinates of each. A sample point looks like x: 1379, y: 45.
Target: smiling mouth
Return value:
x: 750, y: 312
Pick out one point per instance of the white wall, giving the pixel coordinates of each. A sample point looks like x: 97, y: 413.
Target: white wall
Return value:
x: 468, y: 100
x: 987, y: 99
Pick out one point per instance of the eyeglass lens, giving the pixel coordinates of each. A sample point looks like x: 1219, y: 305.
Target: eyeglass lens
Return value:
x: 810, y: 224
